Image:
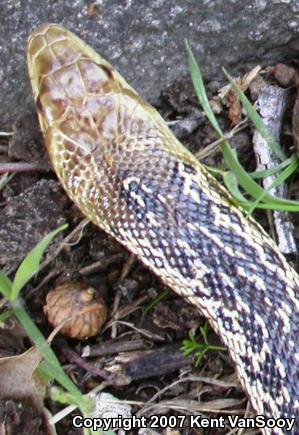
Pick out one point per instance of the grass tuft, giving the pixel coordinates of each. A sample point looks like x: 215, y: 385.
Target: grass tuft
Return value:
x: 236, y: 178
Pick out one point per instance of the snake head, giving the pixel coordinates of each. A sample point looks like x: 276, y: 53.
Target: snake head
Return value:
x: 63, y: 71
x: 98, y: 132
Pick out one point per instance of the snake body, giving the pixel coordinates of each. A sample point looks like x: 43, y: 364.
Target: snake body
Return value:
x: 122, y: 166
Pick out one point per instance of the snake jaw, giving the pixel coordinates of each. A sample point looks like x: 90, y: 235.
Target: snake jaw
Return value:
x: 121, y: 165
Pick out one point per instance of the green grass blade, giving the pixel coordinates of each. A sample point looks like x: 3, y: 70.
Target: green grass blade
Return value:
x: 244, y: 179
x: 200, y: 90
x: 49, y: 371
x: 5, y: 316
x: 161, y: 297
x: 5, y: 285
x: 45, y: 350
x: 256, y: 119
x: 285, y: 174
x: 269, y: 206
x: 232, y: 162
x: 267, y: 172
x: 30, y: 265
x: 248, y: 184
x: 231, y: 183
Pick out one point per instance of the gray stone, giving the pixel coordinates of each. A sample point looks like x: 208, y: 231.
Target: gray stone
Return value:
x: 27, y: 218
x: 145, y: 39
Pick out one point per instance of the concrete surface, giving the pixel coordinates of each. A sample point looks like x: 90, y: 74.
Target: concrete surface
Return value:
x: 145, y: 39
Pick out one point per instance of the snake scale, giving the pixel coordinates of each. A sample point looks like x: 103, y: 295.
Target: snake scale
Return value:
x: 125, y: 170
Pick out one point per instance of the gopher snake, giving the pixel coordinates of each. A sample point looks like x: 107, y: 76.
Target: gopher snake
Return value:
x: 121, y: 165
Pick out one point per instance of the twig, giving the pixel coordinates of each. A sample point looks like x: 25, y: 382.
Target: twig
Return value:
x: 77, y: 232
x: 112, y: 347
x: 6, y: 133
x: 101, y: 265
x: 93, y: 369
x: 127, y: 267
x: 5, y: 179
x: 214, y: 146
x: 23, y: 167
x: 272, y: 101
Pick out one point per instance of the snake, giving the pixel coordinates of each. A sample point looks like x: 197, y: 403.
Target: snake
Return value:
x: 122, y: 166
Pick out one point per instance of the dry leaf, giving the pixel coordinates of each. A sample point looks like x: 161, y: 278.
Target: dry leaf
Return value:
x: 233, y: 101
x: 19, y: 381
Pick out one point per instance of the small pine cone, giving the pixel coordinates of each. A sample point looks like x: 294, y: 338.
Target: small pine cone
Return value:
x: 79, y: 303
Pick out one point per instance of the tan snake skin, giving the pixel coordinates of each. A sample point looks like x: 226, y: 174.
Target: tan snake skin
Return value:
x: 122, y: 166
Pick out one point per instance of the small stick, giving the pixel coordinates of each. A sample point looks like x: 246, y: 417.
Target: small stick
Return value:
x: 214, y: 146
x: 77, y: 232
x: 101, y: 265
x: 112, y: 347
x: 23, y: 167
x: 6, y: 133
x: 272, y: 101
